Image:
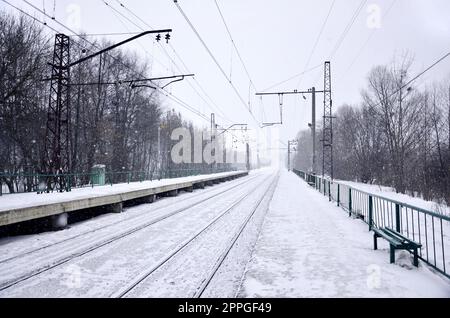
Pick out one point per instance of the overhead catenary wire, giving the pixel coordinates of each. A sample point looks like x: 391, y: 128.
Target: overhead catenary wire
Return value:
x: 369, y: 38
x: 106, y: 34
x: 117, y: 15
x: 216, y: 108
x: 344, y: 34
x: 319, y: 36
x: 132, y: 13
x: 214, y: 59
x: 118, y: 12
x: 252, y: 83
x: 30, y: 16
x: 75, y: 33
x: 347, y: 28
x: 180, y: 102
x: 213, y: 103
x: 415, y: 77
x: 82, y: 38
x: 43, y: 8
x: 170, y: 95
x: 292, y: 77
x: 234, y: 44
x: 164, y: 92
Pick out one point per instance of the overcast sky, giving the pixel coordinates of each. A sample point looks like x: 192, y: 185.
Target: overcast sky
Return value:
x: 275, y: 39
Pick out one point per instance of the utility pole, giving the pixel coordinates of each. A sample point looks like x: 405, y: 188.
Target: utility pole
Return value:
x: 159, y: 148
x: 56, y: 158
x: 213, y: 137
x: 213, y: 127
x: 280, y: 97
x: 327, y: 140
x: 291, y: 143
x: 448, y: 169
x: 248, y: 156
x: 313, y: 130
x: 312, y: 125
x: 258, y: 160
x: 289, y: 155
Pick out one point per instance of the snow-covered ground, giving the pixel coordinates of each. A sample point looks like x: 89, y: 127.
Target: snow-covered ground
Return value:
x: 308, y: 247
x: 389, y: 193
x: 103, y: 256
x: 24, y: 200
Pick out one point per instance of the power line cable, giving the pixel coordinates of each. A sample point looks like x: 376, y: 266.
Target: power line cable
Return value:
x: 138, y: 26
x: 347, y: 28
x: 368, y: 39
x: 216, y: 108
x: 345, y: 33
x: 214, y: 59
x: 252, y: 83
x: 30, y: 16
x: 318, y: 39
x: 108, y: 34
x: 117, y: 14
x: 170, y: 95
x: 234, y: 44
x: 292, y: 77
x: 416, y: 77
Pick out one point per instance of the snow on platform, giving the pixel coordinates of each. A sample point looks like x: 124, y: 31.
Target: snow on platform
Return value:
x: 21, y: 207
x: 390, y: 193
x: 308, y: 247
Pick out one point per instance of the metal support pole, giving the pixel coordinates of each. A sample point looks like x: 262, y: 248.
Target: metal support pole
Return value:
x: 213, y: 138
x: 313, y: 130
x: 397, y: 218
x: 327, y: 141
x: 289, y: 156
x: 350, y: 202
x: 159, y: 148
x: 329, y: 191
x: 56, y: 159
x: 370, y: 213
x: 338, y: 195
x: 248, y: 157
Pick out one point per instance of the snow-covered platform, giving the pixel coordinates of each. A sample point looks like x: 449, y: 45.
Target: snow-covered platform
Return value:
x: 16, y: 208
x: 308, y: 247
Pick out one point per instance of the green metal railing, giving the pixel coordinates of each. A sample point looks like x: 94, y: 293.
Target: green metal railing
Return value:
x: 431, y: 229
x: 44, y: 183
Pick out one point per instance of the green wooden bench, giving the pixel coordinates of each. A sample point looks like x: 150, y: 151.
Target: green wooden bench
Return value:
x: 397, y: 242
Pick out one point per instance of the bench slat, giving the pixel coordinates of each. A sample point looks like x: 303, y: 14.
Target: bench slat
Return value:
x: 392, y: 240
x: 397, y: 241
x: 411, y: 242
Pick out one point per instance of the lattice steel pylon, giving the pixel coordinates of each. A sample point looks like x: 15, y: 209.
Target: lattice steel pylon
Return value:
x: 327, y: 141
x: 57, y: 140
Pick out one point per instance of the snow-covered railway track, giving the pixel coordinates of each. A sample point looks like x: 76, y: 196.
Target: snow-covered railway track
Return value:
x: 268, y: 195
x: 24, y: 267
x: 203, y: 195
x: 195, y: 243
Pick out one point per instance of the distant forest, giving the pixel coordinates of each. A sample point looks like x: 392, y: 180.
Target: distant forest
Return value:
x: 111, y: 125
x: 397, y: 138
